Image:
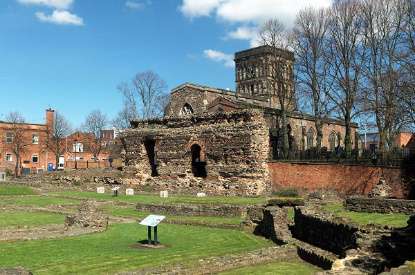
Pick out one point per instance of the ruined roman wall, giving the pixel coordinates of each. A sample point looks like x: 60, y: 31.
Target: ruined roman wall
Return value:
x: 234, y: 147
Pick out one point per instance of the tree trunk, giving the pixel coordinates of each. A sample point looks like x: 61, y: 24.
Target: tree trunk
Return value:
x: 347, y: 137
x: 285, y: 142
x: 319, y: 130
x: 17, y: 167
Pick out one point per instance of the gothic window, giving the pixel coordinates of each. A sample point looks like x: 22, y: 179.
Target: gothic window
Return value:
x: 310, y: 138
x: 332, y: 141
x: 186, y: 110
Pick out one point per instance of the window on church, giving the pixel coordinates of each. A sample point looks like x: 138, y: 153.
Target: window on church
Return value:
x: 310, y: 138
x: 186, y: 110
x: 332, y: 141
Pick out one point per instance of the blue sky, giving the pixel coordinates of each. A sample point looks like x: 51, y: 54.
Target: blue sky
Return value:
x: 70, y: 55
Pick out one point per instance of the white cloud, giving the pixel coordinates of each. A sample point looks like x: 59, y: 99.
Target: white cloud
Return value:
x: 256, y: 11
x: 248, y: 15
x: 57, y: 4
x: 60, y: 17
x: 217, y: 56
x: 197, y: 8
x: 135, y: 5
x: 246, y: 33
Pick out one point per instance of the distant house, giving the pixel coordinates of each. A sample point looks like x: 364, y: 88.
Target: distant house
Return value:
x: 370, y: 141
x: 80, y: 149
x: 36, y: 156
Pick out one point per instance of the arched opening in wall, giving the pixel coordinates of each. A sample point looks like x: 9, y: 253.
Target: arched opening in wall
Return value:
x: 332, y: 141
x: 310, y: 138
x: 186, y: 110
x: 150, y: 146
x: 198, y: 166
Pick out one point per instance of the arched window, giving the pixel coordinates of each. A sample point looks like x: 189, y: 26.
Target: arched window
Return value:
x: 332, y: 141
x: 310, y: 138
x: 186, y: 110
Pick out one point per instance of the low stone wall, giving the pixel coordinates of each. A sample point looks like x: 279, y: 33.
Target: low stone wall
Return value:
x: 342, y: 178
x: 329, y: 233
x: 380, y: 205
x: 193, y: 209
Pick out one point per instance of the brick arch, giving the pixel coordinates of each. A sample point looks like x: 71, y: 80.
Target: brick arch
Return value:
x: 202, y: 145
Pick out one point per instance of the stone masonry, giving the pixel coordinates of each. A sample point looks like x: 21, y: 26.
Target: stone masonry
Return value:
x: 222, y: 153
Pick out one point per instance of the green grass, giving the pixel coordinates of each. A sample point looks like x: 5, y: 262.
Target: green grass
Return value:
x: 277, y: 268
x: 18, y: 219
x: 40, y: 201
x: 111, y: 251
x: 14, y: 190
x: 172, y: 199
x: 132, y: 213
x: 394, y: 220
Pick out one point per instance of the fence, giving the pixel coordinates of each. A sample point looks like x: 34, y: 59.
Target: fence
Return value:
x: 87, y: 164
x: 394, y: 157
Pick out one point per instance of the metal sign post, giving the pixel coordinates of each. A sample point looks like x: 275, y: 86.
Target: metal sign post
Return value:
x: 115, y: 191
x: 152, y: 221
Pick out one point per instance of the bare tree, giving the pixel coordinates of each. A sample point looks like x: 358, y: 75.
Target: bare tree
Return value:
x: 94, y: 125
x: 382, y: 23
x: 57, y: 135
x: 147, y: 93
x: 17, y: 139
x: 274, y: 35
x: 129, y: 111
x: 407, y: 58
x: 346, y: 57
x: 162, y: 103
x: 312, y: 68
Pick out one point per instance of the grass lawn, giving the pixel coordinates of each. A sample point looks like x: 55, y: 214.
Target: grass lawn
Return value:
x: 112, y: 251
x: 172, y: 199
x: 18, y: 219
x: 132, y: 213
x: 395, y: 220
x: 277, y: 268
x: 14, y: 190
x: 40, y: 201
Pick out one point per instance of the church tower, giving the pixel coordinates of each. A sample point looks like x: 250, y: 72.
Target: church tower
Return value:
x: 256, y: 76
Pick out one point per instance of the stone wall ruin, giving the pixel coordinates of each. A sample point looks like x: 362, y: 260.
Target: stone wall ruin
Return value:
x: 222, y: 153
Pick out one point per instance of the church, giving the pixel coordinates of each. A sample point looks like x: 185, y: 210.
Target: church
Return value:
x: 253, y: 72
x: 219, y: 141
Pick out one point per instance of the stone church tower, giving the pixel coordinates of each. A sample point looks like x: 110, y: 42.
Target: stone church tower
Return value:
x: 255, y: 75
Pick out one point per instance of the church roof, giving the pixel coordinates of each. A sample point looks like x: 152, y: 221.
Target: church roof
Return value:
x: 202, y: 88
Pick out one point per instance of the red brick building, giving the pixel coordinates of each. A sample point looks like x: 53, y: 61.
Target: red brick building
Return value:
x: 79, y: 151
x: 35, y: 156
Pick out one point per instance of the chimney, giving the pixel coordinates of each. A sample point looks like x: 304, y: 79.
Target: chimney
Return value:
x: 50, y: 118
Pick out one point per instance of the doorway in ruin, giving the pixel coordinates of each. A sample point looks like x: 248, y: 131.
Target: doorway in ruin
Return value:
x: 150, y: 146
x: 198, y: 166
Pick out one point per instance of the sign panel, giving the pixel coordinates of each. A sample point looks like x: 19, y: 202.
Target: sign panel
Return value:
x: 152, y: 220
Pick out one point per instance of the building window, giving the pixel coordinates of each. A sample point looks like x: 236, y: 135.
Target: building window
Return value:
x: 78, y: 147
x: 9, y: 157
x: 332, y: 141
x: 35, y: 139
x: 35, y: 158
x: 186, y: 110
x: 310, y: 138
x: 9, y: 137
